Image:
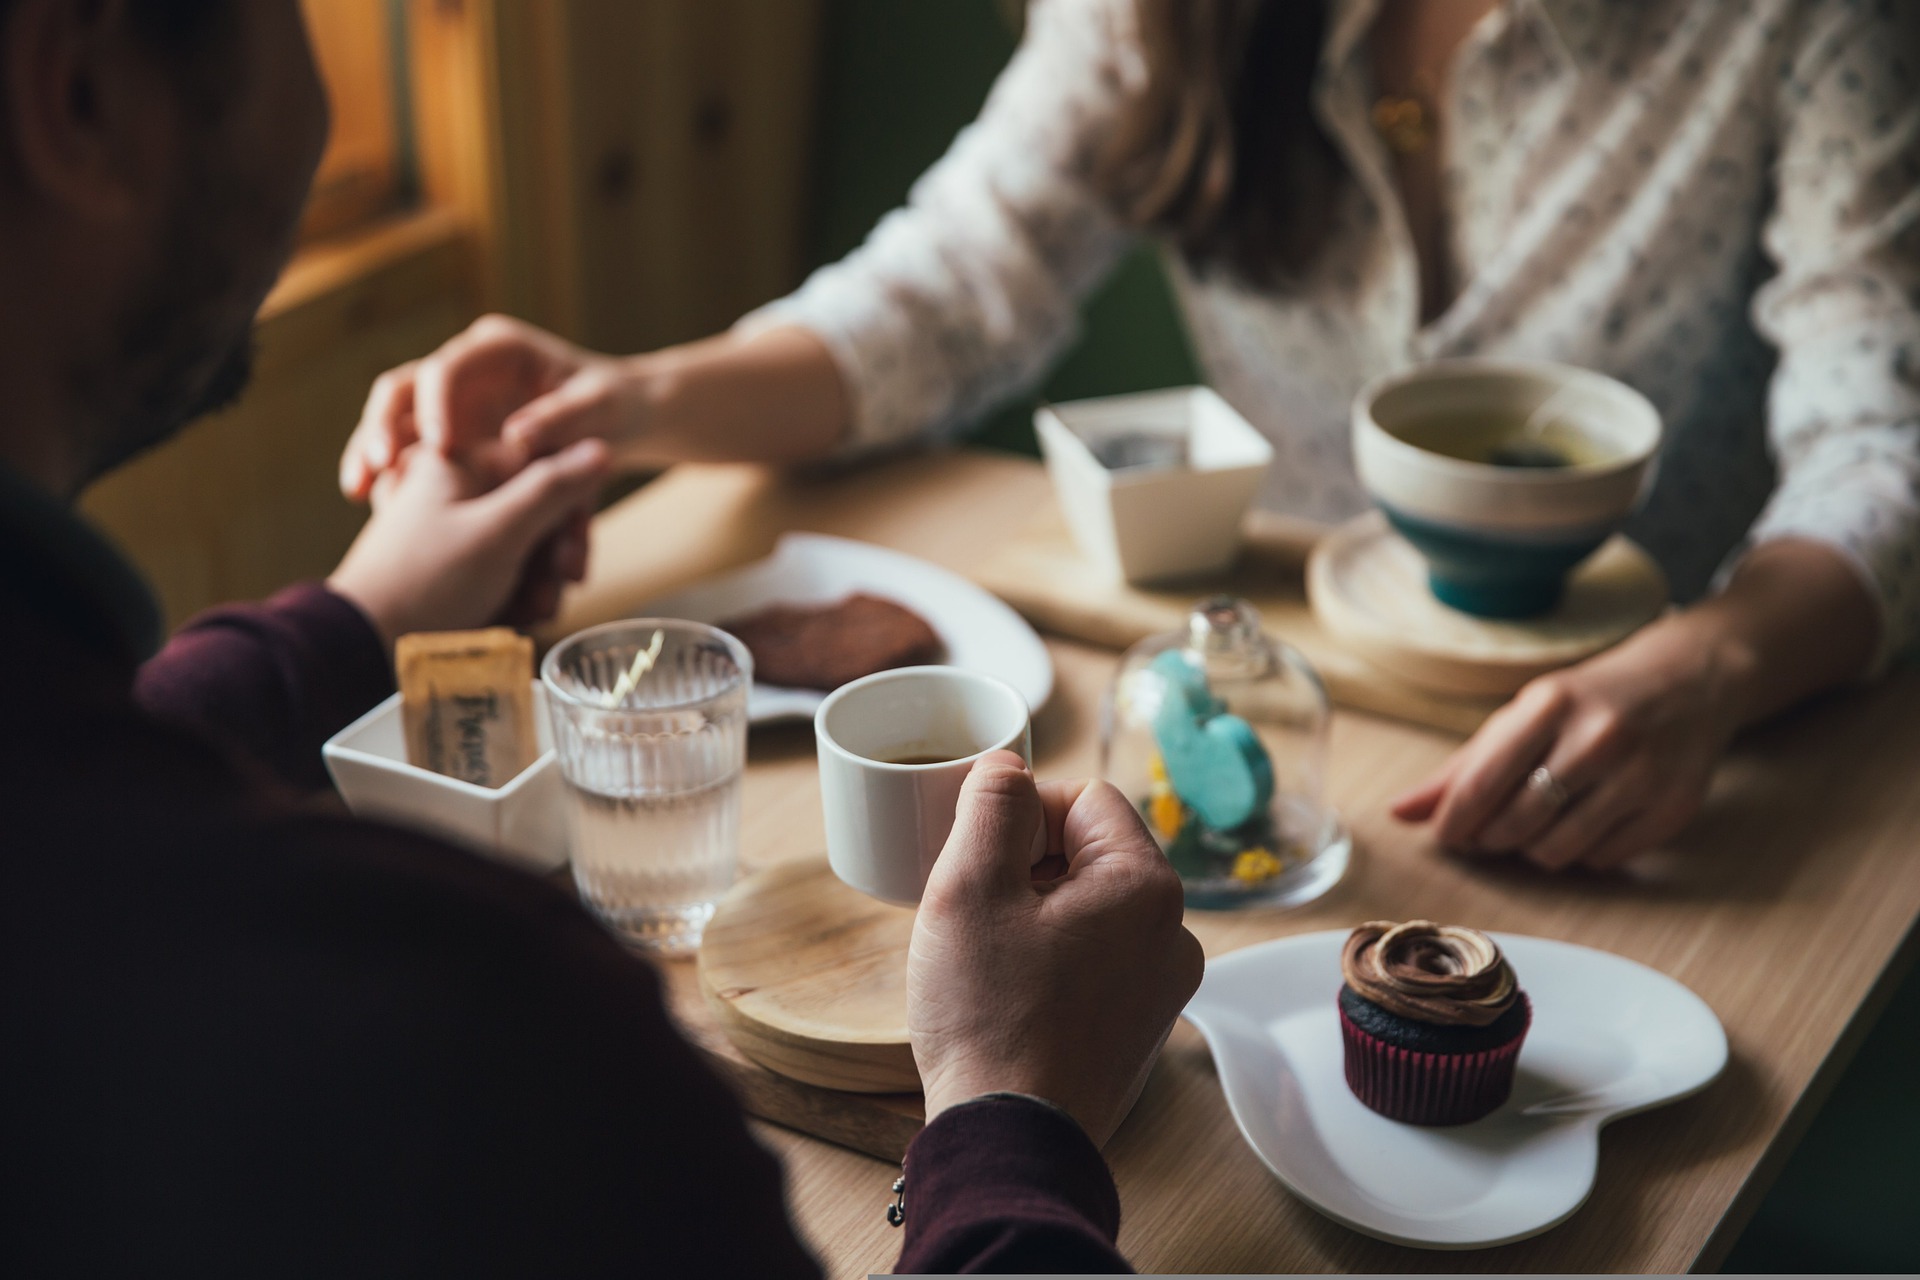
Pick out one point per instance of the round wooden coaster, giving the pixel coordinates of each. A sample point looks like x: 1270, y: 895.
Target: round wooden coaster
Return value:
x: 809, y: 979
x: 1369, y: 590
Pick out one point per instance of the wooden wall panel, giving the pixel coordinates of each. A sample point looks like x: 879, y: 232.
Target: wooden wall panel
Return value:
x: 540, y: 269
x: 688, y: 126
x: 359, y: 175
x: 457, y: 125
x: 635, y: 170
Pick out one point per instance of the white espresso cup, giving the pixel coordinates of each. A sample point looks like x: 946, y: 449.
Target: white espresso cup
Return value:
x: 894, y: 749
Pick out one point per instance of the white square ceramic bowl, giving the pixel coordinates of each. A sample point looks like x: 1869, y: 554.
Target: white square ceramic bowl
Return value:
x: 1155, y: 524
x: 523, y: 823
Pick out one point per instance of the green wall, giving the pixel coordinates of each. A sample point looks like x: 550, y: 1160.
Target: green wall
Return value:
x: 901, y: 77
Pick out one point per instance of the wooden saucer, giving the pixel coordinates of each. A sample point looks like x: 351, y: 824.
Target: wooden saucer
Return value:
x: 809, y: 978
x: 1369, y: 590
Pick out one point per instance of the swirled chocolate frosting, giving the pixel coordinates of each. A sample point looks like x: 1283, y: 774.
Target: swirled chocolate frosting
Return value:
x: 1429, y: 972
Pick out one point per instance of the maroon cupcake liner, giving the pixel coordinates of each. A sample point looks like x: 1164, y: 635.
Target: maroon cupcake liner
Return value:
x: 1429, y: 1088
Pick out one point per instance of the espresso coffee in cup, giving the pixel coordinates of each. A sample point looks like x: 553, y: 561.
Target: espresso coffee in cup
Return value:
x: 894, y: 750
x: 916, y: 757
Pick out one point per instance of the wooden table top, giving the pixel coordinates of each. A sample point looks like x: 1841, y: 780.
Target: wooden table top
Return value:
x: 1788, y: 906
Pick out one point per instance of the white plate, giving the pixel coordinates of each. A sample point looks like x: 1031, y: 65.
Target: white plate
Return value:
x: 979, y: 632
x: 1610, y: 1037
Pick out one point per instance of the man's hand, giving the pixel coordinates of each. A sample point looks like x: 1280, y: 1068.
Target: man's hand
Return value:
x: 1049, y: 957
x: 501, y: 391
x: 448, y: 548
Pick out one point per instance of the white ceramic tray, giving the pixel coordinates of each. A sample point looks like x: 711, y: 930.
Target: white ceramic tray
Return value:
x: 522, y: 822
x: 1610, y: 1037
x: 979, y: 632
x: 1149, y: 524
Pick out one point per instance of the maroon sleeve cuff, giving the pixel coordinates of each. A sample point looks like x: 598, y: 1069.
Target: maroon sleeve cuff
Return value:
x: 273, y: 681
x: 1006, y: 1184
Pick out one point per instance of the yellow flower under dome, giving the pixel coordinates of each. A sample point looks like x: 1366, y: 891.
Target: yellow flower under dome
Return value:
x: 1255, y: 865
x: 1166, y: 812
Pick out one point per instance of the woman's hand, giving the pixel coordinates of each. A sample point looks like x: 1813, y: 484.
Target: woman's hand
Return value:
x: 1628, y: 742
x: 452, y: 546
x: 1609, y: 758
x: 502, y: 391
x: 1049, y: 955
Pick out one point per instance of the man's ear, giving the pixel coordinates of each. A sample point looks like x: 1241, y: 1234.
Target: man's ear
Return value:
x: 86, y: 110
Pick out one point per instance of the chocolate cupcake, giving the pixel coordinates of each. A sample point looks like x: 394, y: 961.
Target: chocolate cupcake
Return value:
x: 1432, y: 1021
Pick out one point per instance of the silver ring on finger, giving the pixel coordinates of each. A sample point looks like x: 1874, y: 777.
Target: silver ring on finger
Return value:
x: 1543, y: 784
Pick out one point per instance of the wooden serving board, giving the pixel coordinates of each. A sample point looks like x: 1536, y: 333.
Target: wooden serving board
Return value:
x: 1369, y: 591
x: 875, y: 1124
x: 1041, y: 573
x: 809, y: 979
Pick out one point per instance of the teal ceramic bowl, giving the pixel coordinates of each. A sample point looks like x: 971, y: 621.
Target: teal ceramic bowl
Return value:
x: 1499, y: 541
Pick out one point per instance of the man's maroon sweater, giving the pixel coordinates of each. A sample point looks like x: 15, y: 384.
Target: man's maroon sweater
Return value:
x: 240, y: 1037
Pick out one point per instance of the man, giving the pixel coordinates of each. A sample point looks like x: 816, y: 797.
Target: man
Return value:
x: 244, y: 1038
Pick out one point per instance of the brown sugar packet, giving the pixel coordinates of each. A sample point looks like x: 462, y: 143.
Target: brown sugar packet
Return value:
x: 467, y: 700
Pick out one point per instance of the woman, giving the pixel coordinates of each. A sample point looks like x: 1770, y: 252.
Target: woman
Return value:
x: 1716, y: 202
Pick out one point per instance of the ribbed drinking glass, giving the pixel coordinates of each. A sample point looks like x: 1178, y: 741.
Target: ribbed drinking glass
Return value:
x: 652, y: 752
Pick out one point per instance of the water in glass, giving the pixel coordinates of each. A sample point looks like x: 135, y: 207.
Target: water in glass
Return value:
x: 653, y: 770
x: 654, y: 865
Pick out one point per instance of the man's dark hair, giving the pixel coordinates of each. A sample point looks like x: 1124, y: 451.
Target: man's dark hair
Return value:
x: 172, y: 24
x: 179, y: 352
x: 192, y: 36
x: 179, y: 24
x: 188, y: 32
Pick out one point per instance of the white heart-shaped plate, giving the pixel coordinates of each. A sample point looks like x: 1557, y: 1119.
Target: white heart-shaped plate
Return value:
x: 1610, y: 1037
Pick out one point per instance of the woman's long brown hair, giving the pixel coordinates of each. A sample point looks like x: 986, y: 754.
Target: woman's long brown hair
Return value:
x: 1220, y: 151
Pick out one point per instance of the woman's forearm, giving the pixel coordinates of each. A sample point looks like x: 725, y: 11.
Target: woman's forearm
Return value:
x: 776, y: 396
x: 1794, y: 619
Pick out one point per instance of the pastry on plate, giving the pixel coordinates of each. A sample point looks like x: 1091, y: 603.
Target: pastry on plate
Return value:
x: 1432, y: 1020
x: 823, y: 646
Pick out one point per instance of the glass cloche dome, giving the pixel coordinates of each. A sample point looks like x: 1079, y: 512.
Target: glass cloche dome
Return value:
x: 1219, y: 737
